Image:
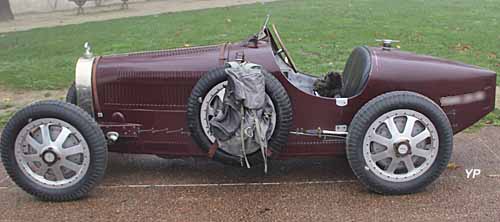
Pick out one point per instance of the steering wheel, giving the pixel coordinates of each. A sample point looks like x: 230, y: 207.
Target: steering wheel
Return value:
x: 288, y: 59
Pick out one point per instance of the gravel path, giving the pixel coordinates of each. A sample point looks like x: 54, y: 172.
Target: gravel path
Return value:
x: 38, y: 20
x: 147, y: 188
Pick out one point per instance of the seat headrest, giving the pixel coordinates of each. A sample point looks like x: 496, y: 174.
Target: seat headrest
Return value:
x: 356, y: 71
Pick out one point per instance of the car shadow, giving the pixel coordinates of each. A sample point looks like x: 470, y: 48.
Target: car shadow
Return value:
x: 125, y: 169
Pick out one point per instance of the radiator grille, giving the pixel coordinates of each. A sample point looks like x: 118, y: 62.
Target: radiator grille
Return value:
x: 150, y: 89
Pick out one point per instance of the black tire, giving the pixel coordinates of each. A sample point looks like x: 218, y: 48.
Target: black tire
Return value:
x: 384, y: 104
x: 276, y: 92
x: 80, y: 120
x: 71, y: 94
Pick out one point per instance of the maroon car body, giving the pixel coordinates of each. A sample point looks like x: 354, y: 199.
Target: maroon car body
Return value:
x: 143, y: 96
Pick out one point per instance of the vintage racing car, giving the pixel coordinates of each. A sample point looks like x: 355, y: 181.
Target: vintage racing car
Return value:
x: 393, y: 114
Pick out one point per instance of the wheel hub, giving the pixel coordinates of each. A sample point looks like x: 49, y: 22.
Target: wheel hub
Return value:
x: 402, y: 148
x: 49, y: 156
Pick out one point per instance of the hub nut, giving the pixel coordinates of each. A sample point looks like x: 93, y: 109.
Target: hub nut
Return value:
x: 403, y: 149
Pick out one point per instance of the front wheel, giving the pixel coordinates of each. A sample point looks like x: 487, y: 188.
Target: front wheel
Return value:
x: 54, y: 151
x: 399, y: 143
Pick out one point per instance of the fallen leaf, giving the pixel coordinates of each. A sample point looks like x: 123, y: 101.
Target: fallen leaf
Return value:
x: 453, y: 166
x: 492, y: 55
x: 264, y: 210
x: 462, y: 47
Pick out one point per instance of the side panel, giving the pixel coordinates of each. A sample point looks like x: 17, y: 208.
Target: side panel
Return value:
x: 151, y: 89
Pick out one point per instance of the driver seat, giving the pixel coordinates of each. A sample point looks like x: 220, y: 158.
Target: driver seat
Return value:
x: 356, y: 72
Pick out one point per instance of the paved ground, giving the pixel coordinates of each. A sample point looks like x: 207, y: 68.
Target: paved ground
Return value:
x: 38, y: 20
x: 150, y: 188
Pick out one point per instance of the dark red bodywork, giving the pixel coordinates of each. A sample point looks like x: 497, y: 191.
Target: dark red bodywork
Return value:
x: 143, y: 96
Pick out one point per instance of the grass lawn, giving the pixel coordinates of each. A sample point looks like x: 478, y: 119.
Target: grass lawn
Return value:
x: 319, y: 33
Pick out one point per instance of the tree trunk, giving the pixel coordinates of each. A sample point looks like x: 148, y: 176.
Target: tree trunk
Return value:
x: 5, y: 11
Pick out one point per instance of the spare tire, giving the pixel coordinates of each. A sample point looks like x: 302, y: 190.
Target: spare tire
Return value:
x: 212, y: 85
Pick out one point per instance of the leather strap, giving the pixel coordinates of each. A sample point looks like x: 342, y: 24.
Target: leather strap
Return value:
x: 212, y: 149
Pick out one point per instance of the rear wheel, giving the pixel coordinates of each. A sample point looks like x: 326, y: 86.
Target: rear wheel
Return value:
x: 54, y: 151
x: 399, y: 142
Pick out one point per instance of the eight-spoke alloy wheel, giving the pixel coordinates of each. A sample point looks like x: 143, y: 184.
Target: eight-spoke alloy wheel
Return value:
x: 52, y: 153
x: 399, y: 142
x: 400, y: 145
x: 54, y: 150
